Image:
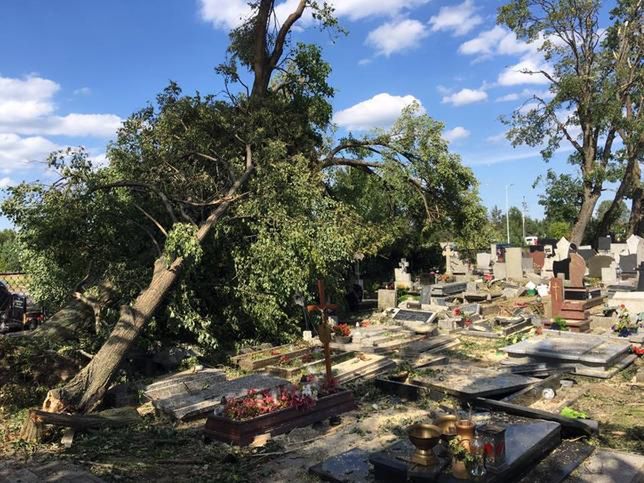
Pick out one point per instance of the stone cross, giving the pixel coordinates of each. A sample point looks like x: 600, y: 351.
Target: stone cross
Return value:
x: 556, y: 295
x: 447, y: 253
x: 324, y: 330
x: 404, y: 264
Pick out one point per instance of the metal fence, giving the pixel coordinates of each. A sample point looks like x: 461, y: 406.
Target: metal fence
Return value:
x: 16, y: 282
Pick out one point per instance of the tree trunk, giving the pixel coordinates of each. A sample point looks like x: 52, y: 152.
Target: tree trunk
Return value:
x: 85, y: 392
x: 585, y: 214
x: 636, y: 221
x: 610, y: 216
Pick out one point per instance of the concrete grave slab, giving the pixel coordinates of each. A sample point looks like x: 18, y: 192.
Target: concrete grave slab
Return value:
x: 472, y: 381
x: 588, y: 349
x: 193, y: 398
x: 634, y: 301
x: 608, y: 466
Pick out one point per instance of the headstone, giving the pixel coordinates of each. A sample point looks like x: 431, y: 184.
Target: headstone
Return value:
x: 577, y: 270
x: 603, y: 243
x: 561, y: 268
x: 401, y: 275
x: 514, y: 267
x: 618, y: 249
x: 493, y: 256
x: 499, y: 270
x: 547, y: 269
x: 538, y: 258
x: 632, y: 243
x: 586, y: 253
x: 386, y: 298
x: 483, y: 261
x: 447, y: 253
x: 563, y: 247
x: 597, y: 263
x: 609, y: 274
x: 640, y: 251
x: 556, y: 295
x: 425, y: 294
x: 640, y: 282
x: 628, y: 263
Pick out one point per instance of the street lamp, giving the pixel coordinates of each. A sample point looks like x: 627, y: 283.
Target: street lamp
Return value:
x: 507, y: 211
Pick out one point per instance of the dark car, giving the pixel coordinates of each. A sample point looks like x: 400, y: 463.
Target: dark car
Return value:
x: 16, y: 312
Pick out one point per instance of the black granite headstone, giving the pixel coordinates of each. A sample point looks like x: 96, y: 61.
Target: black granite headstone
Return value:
x: 587, y: 253
x: 562, y: 266
x: 603, y: 243
x: 628, y: 263
x: 413, y: 315
x: 349, y: 467
x: 640, y: 282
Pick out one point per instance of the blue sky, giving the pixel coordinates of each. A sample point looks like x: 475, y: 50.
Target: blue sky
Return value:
x: 71, y: 70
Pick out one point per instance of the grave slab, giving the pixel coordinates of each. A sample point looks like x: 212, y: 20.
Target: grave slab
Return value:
x: 193, y: 399
x: 471, y: 381
x: 584, y: 348
x: 556, y: 467
x: 607, y: 466
x: 526, y: 444
x: 349, y: 467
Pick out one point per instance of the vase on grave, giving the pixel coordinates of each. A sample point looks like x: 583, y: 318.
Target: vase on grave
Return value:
x: 465, y: 430
x: 459, y: 470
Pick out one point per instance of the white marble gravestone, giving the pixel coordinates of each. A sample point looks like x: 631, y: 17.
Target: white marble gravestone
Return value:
x: 546, y: 270
x: 563, y: 247
x: 401, y: 275
x: 513, y: 263
x: 483, y: 261
x: 609, y: 274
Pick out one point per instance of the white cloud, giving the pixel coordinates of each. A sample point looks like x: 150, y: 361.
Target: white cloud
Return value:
x: 508, y: 97
x: 396, y: 36
x: 465, y: 96
x: 459, y: 132
x: 227, y: 14
x: 27, y: 107
x: 16, y: 152
x: 6, y: 182
x: 517, y: 73
x: 497, y: 41
x: 379, y: 111
x: 83, y: 91
x: 497, y: 138
x: 459, y: 19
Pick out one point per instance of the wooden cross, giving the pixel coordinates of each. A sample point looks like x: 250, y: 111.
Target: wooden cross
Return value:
x: 324, y: 330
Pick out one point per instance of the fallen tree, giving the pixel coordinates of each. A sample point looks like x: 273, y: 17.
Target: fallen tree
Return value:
x: 230, y: 207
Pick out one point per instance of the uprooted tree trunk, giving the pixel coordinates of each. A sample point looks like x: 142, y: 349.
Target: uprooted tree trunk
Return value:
x: 86, y: 390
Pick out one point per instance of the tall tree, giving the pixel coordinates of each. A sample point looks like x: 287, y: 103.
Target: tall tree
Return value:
x: 625, y: 52
x: 582, y: 99
x: 239, y: 190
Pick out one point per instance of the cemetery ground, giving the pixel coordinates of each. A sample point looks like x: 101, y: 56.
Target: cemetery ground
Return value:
x: 160, y: 449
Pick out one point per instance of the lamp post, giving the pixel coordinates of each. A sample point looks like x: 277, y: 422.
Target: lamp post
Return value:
x: 507, y: 211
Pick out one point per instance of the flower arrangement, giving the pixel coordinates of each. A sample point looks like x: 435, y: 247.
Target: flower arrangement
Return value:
x: 624, y: 327
x: 558, y: 323
x: 460, y: 452
x: 256, y: 403
x: 342, y: 329
x: 365, y: 323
